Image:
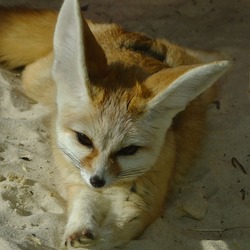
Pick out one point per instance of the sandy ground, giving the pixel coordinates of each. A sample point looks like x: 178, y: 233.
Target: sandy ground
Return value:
x: 211, y: 210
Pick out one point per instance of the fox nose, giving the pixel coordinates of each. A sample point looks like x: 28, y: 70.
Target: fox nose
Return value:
x: 96, y: 181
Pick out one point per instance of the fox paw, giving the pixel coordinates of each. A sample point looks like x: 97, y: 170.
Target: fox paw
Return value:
x: 84, y: 238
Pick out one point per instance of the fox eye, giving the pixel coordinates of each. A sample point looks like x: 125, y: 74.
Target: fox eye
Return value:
x: 130, y: 150
x: 84, y: 140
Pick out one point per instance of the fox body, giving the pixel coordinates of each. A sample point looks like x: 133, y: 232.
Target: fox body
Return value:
x: 128, y: 114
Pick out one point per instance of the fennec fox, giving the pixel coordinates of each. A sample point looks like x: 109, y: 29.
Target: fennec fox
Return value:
x: 128, y: 115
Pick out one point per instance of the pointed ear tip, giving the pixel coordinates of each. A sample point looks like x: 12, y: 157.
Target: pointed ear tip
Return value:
x: 70, y: 3
x: 223, y: 65
x: 216, y: 67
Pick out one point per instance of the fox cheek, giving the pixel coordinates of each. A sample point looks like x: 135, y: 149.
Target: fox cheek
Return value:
x: 114, y: 168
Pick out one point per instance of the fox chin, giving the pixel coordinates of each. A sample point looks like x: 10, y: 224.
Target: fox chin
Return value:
x: 127, y: 114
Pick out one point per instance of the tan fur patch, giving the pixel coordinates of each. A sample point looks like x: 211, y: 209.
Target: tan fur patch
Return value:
x: 130, y: 91
x: 87, y: 161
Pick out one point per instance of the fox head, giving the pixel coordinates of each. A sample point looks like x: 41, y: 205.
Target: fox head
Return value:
x: 112, y: 119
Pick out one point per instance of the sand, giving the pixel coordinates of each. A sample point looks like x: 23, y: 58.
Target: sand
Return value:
x: 211, y: 210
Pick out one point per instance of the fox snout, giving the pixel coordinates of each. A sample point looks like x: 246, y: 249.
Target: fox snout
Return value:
x: 97, y: 181
x: 99, y: 170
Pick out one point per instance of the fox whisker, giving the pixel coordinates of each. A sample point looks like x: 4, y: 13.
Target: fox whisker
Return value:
x: 131, y: 173
x: 73, y: 158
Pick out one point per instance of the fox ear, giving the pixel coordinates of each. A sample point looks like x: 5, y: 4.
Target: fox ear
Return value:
x: 183, y: 85
x: 74, y: 45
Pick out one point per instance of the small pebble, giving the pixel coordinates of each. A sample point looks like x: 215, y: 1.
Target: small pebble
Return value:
x: 195, y: 209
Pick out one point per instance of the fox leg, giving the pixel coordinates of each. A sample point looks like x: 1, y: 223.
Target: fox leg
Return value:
x: 85, y: 206
x: 126, y: 219
x: 37, y: 81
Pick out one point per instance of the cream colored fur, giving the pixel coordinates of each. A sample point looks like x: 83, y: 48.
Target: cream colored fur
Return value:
x: 123, y: 92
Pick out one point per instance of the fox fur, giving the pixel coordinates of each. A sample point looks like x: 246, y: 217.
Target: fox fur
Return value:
x: 128, y: 114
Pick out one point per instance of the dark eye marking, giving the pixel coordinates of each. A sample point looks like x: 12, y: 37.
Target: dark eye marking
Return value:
x: 84, y: 140
x: 130, y: 150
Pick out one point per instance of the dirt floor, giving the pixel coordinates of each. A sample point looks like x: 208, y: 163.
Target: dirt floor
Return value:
x: 211, y: 211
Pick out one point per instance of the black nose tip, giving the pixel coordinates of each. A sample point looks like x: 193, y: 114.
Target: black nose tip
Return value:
x: 96, y: 181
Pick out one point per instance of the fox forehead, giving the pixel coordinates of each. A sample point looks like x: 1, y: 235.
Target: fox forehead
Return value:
x: 112, y: 120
